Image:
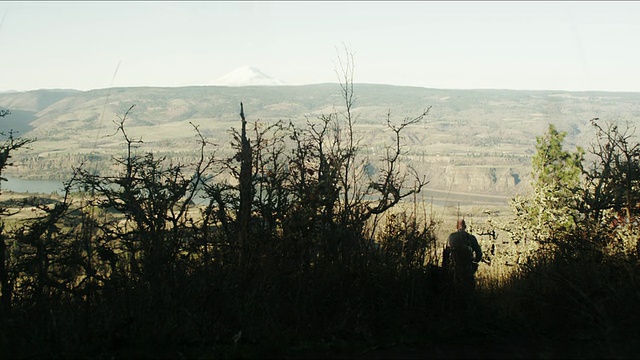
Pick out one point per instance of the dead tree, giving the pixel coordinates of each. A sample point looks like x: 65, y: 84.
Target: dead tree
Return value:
x: 246, y: 188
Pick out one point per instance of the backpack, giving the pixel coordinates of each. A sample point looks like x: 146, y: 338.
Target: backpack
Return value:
x: 460, y: 251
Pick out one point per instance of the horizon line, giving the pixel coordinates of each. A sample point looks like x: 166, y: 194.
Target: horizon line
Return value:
x: 308, y: 84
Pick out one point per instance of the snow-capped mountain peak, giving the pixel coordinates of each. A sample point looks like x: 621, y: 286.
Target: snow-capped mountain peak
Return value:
x: 247, y: 76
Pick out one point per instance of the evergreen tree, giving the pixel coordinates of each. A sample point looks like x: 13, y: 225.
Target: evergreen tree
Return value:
x: 554, y: 167
x: 550, y: 212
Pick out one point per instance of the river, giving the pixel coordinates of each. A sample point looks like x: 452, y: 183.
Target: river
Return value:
x: 434, y: 196
x: 32, y: 186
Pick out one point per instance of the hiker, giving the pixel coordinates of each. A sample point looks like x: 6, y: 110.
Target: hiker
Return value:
x: 461, y: 256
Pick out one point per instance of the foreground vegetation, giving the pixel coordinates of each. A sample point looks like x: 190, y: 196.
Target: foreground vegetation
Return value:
x: 297, y: 245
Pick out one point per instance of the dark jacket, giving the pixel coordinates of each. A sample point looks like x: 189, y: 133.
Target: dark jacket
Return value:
x: 463, y: 250
x: 462, y: 238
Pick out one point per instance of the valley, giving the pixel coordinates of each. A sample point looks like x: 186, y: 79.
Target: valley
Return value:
x: 475, y: 142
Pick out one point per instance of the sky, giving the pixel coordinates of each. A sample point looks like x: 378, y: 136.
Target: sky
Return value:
x: 519, y: 45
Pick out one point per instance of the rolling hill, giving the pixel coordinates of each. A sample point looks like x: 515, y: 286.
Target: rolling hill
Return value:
x: 472, y: 141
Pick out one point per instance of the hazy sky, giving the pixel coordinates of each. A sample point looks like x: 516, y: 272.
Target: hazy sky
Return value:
x: 458, y: 45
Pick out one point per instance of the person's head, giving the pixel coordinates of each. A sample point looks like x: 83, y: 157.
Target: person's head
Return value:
x: 461, y: 225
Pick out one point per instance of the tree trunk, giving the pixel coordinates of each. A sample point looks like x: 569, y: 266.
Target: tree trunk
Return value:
x: 246, y: 193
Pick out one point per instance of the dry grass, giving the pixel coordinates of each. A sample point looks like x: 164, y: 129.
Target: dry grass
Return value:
x: 21, y: 207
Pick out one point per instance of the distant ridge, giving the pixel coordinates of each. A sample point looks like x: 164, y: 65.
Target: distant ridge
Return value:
x: 473, y: 141
x: 247, y: 76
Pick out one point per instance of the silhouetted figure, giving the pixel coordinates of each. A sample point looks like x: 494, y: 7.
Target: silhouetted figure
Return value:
x: 461, y: 256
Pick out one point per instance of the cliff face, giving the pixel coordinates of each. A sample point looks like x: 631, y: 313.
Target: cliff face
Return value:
x: 504, y: 181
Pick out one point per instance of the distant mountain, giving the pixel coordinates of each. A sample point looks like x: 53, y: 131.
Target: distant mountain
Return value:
x: 34, y: 100
x: 477, y: 141
x: 247, y: 76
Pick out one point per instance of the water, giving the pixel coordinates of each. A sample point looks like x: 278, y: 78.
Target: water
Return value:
x: 32, y: 186
x: 436, y: 197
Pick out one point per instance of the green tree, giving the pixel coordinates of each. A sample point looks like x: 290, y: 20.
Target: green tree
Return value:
x: 555, y: 167
x: 550, y: 212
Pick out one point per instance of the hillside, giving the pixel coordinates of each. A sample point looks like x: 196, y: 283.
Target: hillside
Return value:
x: 472, y: 141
